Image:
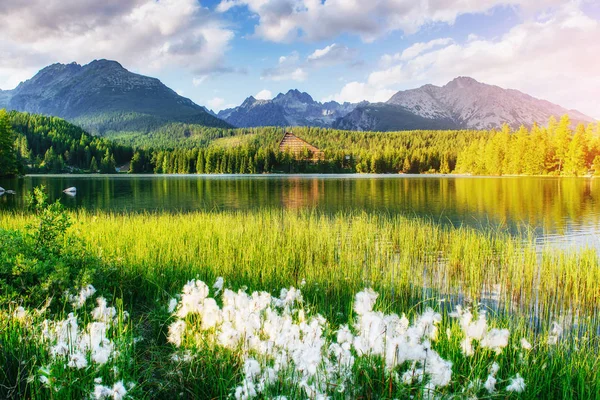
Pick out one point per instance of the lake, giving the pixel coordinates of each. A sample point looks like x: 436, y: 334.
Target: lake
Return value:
x: 564, y: 211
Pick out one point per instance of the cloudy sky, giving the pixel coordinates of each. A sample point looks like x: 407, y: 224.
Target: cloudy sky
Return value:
x: 218, y: 52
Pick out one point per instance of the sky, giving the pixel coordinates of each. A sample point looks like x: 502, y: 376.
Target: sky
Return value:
x: 219, y: 52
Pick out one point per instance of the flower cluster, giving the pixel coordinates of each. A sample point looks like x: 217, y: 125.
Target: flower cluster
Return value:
x: 67, y: 339
x: 493, y: 339
x: 278, y: 338
x: 78, y: 347
x: 393, y: 338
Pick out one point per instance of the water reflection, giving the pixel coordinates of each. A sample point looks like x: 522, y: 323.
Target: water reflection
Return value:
x: 555, y: 207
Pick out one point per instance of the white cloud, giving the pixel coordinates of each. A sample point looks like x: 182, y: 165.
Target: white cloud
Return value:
x: 147, y: 35
x: 197, y: 81
x: 419, y: 48
x: 286, y: 20
x: 355, y: 92
x: 331, y: 55
x: 287, y: 69
x: 290, y: 59
x: 216, y: 103
x: 264, y: 95
x: 553, y: 58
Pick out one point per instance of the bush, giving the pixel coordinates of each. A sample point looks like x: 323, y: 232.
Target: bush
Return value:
x: 45, y: 260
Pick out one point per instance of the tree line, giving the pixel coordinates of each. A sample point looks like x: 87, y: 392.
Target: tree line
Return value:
x: 40, y: 144
x: 552, y: 150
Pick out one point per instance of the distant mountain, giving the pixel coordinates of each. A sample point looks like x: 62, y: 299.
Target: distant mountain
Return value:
x: 103, y: 96
x: 293, y: 108
x: 463, y: 103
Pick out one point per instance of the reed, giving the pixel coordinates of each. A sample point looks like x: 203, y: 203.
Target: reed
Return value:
x: 412, y: 263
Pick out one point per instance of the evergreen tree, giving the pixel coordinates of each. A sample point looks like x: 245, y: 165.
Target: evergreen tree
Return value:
x: 575, y: 158
x: 561, y: 141
x: 8, y: 157
x: 93, y: 165
x: 135, y: 165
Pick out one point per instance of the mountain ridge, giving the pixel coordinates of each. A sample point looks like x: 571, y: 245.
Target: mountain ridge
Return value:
x: 102, y: 95
x: 293, y: 108
x: 470, y: 104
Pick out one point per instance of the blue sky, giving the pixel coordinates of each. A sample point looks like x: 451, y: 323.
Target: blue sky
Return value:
x: 219, y: 52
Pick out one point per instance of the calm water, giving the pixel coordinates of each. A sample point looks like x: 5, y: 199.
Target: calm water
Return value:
x: 565, y: 211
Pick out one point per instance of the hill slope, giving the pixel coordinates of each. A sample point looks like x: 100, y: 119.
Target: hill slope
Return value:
x: 103, y: 96
x: 463, y: 103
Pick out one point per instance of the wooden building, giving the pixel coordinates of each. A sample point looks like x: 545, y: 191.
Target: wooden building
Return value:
x: 299, y: 148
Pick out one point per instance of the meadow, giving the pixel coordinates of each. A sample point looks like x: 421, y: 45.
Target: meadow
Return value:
x: 289, y: 304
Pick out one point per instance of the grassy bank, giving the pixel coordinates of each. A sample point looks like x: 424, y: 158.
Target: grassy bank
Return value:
x: 139, y: 262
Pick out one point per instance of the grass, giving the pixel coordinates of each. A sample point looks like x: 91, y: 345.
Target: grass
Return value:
x: 413, y: 264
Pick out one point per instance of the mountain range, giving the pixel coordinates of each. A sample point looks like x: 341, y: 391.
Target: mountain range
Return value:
x: 463, y: 103
x: 102, y: 96
x: 293, y: 108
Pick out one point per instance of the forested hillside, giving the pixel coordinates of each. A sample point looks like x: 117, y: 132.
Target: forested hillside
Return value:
x: 49, y: 144
x: 53, y: 145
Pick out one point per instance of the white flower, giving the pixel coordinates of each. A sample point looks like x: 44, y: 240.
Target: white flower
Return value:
x: 77, y: 360
x: 490, y: 384
x: 102, y: 312
x: 194, y: 293
x: 364, y: 301
x: 494, y: 368
x: 176, y: 330
x: 344, y: 335
x: 525, y: 344
x: 251, y: 368
x: 555, y: 333
x: 517, y: 384
x: 172, y: 305
x: 218, y: 286
x: 118, y: 391
x: 101, y: 392
x: 20, y: 313
x: 496, y: 340
x: 79, y: 300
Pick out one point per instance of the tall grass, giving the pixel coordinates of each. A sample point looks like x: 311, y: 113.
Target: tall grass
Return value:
x: 412, y: 263
x: 340, y: 253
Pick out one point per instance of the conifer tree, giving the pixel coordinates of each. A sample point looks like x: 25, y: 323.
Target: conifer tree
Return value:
x: 8, y: 159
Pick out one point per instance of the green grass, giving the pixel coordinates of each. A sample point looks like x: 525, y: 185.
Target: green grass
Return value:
x: 411, y: 263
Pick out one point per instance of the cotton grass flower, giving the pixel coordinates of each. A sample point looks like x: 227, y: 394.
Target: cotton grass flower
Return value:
x: 277, y: 338
x: 554, y: 334
x: 78, y: 300
x: 77, y: 360
x: 77, y: 346
x: 20, y: 313
x: 117, y: 392
x: 525, y: 345
x: 218, y: 286
x: 490, y: 384
x: 172, y: 305
x: 517, y: 384
x: 492, y: 339
x: 176, y: 331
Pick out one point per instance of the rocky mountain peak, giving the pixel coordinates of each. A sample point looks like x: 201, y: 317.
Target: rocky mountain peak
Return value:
x: 100, y: 92
x: 462, y: 103
x: 294, y: 95
x: 462, y: 82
